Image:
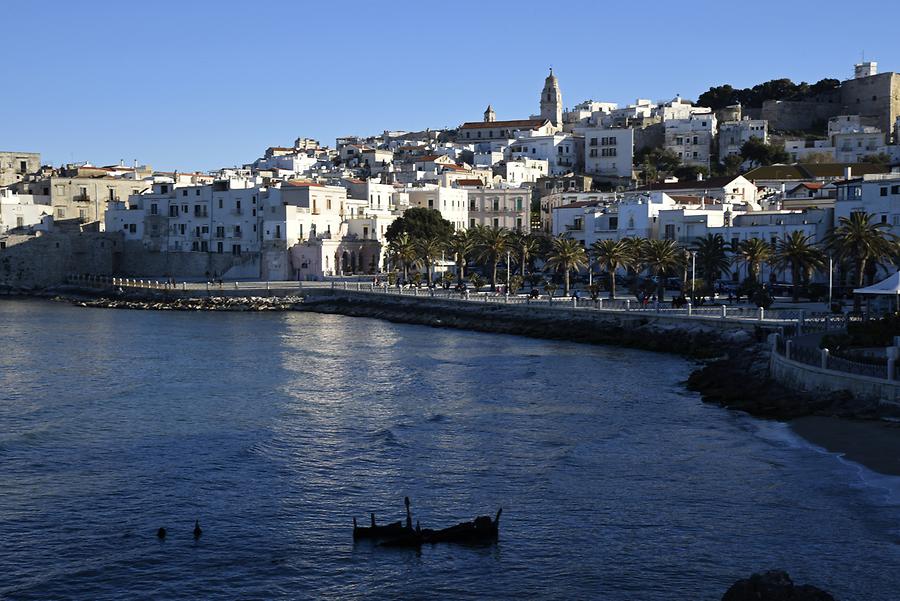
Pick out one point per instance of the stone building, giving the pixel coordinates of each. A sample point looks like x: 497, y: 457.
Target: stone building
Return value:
x: 873, y: 94
x: 551, y: 101
x: 14, y: 166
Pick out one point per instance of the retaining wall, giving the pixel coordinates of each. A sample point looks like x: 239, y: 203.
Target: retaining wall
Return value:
x: 800, y: 376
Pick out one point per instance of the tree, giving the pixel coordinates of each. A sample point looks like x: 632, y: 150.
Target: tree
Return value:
x: 661, y: 257
x: 881, y: 158
x: 731, y: 165
x: 515, y: 283
x: 712, y: 256
x: 613, y: 255
x: 566, y: 255
x: 491, y: 244
x: 718, y: 97
x: 861, y: 242
x: 690, y: 172
x: 796, y: 252
x: 760, y: 153
x: 654, y: 161
x: 420, y: 223
x: 527, y: 247
x: 429, y: 250
x: 403, y: 250
x: 460, y: 246
x: 477, y: 281
x: 753, y: 253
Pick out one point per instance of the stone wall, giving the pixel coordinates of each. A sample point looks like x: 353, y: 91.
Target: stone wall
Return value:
x: 137, y: 261
x: 46, y: 260
x: 800, y: 376
x: 789, y: 115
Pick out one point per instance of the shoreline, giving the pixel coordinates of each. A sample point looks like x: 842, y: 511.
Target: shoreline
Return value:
x: 874, y: 444
x: 735, y: 376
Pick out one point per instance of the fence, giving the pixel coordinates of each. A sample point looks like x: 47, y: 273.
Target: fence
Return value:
x: 794, y: 349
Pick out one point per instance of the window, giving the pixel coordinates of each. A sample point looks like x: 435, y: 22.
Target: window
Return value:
x: 204, y: 246
x: 219, y: 247
x: 430, y: 203
x: 236, y: 249
x: 277, y: 231
x: 154, y: 209
x: 164, y: 189
x: 173, y: 210
x: 197, y: 192
x: 132, y: 228
x: 895, y: 189
x: 220, y: 231
x: 184, y: 192
x: 519, y: 223
x: 518, y: 203
x: 472, y: 205
x: 496, y: 204
x: 496, y: 223
x: 884, y: 191
x: 593, y: 152
x: 884, y: 219
x: 23, y: 166
x: 220, y: 203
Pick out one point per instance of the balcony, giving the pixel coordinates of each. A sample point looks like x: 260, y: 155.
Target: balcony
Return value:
x: 577, y: 227
x: 82, y: 198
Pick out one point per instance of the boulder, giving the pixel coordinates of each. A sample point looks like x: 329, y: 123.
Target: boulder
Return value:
x: 774, y: 585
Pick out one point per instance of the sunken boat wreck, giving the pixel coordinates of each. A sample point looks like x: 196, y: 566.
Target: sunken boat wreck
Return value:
x: 482, y: 529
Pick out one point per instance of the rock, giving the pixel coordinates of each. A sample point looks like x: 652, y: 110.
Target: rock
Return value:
x: 774, y: 585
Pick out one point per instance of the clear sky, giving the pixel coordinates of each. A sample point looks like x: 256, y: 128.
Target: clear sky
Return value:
x: 201, y: 85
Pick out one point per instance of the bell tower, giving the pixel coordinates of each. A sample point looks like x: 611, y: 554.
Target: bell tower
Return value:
x: 489, y: 115
x: 551, y: 100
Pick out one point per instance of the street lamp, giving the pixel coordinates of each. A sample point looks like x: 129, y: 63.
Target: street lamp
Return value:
x: 507, y: 271
x: 693, y: 272
x: 830, y: 273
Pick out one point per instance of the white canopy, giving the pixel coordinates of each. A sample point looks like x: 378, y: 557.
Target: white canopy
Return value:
x: 889, y: 286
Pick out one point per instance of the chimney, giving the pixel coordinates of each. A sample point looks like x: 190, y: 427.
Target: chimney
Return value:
x: 848, y: 172
x: 699, y: 177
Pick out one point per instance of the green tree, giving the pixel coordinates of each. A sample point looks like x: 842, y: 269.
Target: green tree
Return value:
x: 491, y: 245
x: 428, y: 251
x: 403, y: 250
x: 753, y: 253
x: 527, y: 247
x: 718, y: 97
x: 760, y: 153
x: 515, y: 283
x: 881, y: 158
x: 461, y: 245
x: 419, y: 223
x: 861, y: 242
x: 797, y: 253
x: 566, y: 255
x: 661, y: 257
x: 612, y: 255
x: 712, y: 256
x: 477, y: 281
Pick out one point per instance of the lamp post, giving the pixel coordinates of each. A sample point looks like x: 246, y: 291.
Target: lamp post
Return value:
x: 830, y: 274
x: 693, y: 272
x: 507, y: 271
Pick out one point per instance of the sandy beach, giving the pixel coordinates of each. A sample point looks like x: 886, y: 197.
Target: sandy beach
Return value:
x: 874, y: 444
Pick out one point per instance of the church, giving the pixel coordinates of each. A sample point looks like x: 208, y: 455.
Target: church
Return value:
x: 548, y: 122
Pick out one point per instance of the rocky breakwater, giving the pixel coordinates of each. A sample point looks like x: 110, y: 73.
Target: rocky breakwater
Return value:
x: 644, y: 332
x: 213, y: 303
x: 774, y: 586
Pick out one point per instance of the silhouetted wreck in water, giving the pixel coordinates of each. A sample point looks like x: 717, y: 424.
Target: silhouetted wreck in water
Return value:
x: 482, y: 529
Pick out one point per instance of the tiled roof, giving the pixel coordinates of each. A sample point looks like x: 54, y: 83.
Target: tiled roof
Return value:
x: 711, y: 183
x: 469, y: 182
x: 813, y: 170
x: 304, y: 183
x: 516, y: 124
x: 579, y: 204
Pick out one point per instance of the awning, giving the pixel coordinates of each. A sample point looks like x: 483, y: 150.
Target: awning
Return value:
x: 889, y: 286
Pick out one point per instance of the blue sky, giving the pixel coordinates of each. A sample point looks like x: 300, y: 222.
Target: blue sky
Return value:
x: 197, y: 85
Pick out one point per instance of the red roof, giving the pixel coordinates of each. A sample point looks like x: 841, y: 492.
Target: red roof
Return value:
x: 304, y: 183
x: 469, y: 182
x: 516, y: 124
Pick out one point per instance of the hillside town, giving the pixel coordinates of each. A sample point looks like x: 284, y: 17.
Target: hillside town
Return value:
x: 743, y: 181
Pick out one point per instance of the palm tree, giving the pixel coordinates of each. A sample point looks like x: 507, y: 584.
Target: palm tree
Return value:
x: 861, y: 242
x: 712, y: 256
x: 661, y: 257
x: 612, y: 255
x: 428, y: 251
x: 636, y: 247
x: 492, y: 244
x: 796, y: 252
x: 403, y: 249
x: 460, y: 246
x: 567, y: 255
x: 527, y: 247
x: 753, y: 253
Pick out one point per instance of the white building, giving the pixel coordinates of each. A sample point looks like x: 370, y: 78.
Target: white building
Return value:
x: 691, y: 139
x: 609, y: 152
x: 451, y: 202
x: 878, y: 195
x: 563, y: 152
x: 523, y: 171
x: 22, y: 210
x: 734, y: 134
